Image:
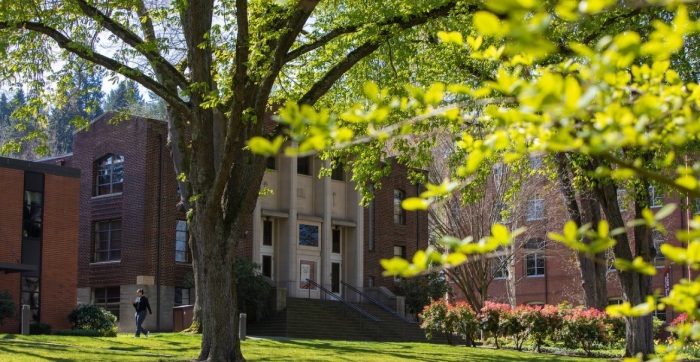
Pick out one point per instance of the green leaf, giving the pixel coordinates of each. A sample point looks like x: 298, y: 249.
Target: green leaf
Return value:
x: 637, y: 265
x: 451, y: 37
x: 487, y: 23
x: 415, y: 203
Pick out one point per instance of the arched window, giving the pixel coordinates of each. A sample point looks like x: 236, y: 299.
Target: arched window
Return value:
x: 110, y: 175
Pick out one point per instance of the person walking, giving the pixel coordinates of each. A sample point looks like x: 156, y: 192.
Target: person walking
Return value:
x: 141, y: 305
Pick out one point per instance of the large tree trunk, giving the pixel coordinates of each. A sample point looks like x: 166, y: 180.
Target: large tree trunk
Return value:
x: 639, y: 337
x: 583, y: 209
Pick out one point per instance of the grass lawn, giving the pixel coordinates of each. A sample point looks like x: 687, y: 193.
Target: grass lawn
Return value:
x: 180, y: 347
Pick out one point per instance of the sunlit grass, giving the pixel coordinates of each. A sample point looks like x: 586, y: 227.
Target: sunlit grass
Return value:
x: 181, y: 347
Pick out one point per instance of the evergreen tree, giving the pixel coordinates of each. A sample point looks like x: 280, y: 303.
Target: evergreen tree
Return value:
x: 125, y: 96
x: 79, y: 105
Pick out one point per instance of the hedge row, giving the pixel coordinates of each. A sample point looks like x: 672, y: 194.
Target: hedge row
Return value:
x: 574, y: 327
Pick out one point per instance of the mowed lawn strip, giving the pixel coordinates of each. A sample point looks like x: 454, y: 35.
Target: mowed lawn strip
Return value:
x: 182, y: 347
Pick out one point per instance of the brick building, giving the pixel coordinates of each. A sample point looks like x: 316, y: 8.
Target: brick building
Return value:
x: 39, y: 240
x: 546, y: 272
x: 132, y: 236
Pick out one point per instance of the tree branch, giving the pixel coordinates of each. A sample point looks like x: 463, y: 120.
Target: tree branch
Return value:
x: 322, y: 86
x: 294, y: 26
x: 645, y: 173
x: 401, y: 20
x: 108, y: 63
x: 135, y: 41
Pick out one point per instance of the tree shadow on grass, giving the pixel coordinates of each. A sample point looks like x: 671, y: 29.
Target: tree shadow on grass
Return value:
x: 409, y: 352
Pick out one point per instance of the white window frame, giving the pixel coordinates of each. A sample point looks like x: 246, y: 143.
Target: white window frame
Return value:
x: 535, y: 209
x: 655, y: 200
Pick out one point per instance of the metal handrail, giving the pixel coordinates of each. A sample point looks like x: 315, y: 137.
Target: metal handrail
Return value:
x: 378, y: 303
x: 352, y: 306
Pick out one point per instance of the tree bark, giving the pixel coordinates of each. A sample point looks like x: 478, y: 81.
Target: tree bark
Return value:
x: 639, y: 337
x: 584, y: 209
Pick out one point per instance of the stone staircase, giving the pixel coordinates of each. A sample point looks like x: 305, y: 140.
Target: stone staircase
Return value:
x: 325, y: 319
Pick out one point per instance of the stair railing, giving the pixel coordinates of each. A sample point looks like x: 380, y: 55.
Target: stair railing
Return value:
x: 345, y: 302
x: 377, y: 303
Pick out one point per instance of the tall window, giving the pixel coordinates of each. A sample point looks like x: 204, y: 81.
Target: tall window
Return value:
x: 535, y: 208
x: 655, y: 197
x: 182, y: 296
x: 308, y: 235
x: 399, y: 252
x: 267, y: 266
x: 658, y: 238
x: 110, y: 175
x: 335, y: 248
x: 399, y: 212
x: 182, y: 251
x: 534, y: 260
x: 31, y: 296
x: 32, y: 218
x: 107, y: 298
x: 108, y: 240
x: 304, y: 165
x: 267, y: 232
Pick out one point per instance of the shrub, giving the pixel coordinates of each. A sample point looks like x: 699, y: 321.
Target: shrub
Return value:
x: 435, y: 318
x: 614, y: 330
x: 39, y: 328
x: 95, y: 318
x: 490, y: 319
x: 7, y: 306
x: 514, y: 324
x: 584, y: 328
x: 544, y: 322
x: 420, y: 291
x: 253, y: 289
x: 466, y: 324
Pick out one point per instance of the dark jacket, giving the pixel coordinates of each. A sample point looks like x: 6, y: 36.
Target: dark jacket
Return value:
x: 142, y: 305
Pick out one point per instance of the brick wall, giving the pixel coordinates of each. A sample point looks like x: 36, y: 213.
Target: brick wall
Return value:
x: 413, y: 235
x: 59, y: 270
x: 12, y: 190
x: 59, y: 240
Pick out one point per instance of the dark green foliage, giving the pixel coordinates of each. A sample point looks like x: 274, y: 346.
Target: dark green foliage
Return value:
x: 126, y: 94
x: 7, y: 306
x: 93, y: 317
x: 81, y: 104
x: 253, y: 289
x: 420, y: 291
x: 78, y: 332
x: 39, y: 328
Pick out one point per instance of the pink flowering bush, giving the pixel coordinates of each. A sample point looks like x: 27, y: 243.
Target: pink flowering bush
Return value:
x: 441, y: 317
x: 466, y: 324
x: 514, y: 323
x: 584, y: 328
x: 490, y: 319
x: 435, y: 318
x: 545, y: 322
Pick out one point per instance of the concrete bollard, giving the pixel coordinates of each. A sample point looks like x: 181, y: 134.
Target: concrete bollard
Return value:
x: 241, y: 326
x: 26, y: 317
